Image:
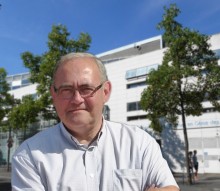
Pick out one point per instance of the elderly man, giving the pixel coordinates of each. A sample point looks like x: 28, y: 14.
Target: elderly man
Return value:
x: 84, y: 151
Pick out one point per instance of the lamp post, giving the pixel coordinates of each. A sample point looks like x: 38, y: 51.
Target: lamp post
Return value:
x: 10, y: 144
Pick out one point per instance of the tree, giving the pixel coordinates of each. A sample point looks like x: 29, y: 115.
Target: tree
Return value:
x: 3, y: 91
x: 24, y: 114
x: 6, y: 100
x: 189, y: 74
x: 41, y: 67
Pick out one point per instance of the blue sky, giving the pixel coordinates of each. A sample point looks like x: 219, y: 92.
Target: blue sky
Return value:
x: 25, y: 24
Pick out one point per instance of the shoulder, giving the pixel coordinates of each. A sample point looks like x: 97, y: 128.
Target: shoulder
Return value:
x: 118, y: 126
x: 39, y: 141
x: 127, y: 131
x: 45, y: 136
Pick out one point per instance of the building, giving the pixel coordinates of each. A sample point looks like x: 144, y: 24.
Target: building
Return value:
x: 127, y: 69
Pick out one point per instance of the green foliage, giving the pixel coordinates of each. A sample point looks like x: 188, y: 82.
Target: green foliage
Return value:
x: 6, y: 100
x: 41, y: 67
x: 189, y: 74
x: 161, y: 87
x: 24, y: 113
x: 3, y: 92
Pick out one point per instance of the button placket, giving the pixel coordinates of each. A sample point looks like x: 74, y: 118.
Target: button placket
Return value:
x: 90, y: 166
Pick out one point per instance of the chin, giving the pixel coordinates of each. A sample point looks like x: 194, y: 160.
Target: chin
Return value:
x: 78, y: 116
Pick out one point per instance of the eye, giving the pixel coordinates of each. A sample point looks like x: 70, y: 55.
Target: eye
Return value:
x: 86, y: 90
x: 65, y: 90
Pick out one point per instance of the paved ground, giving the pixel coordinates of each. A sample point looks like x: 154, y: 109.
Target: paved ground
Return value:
x: 5, y: 179
x: 206, y: 182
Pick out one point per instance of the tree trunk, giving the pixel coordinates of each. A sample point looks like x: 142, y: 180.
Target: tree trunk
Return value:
x: 9, y: 149
x: 189, y: 178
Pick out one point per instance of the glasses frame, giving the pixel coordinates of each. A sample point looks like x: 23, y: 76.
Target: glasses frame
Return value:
x: 56, y: 90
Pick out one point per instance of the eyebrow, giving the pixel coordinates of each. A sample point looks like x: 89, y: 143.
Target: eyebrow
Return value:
x: 83, y: 85
x: 64, y: 86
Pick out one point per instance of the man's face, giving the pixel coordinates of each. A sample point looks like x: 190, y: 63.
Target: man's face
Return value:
x: 78, y: 113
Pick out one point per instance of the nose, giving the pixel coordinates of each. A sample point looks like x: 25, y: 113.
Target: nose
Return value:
x: 77, y: 98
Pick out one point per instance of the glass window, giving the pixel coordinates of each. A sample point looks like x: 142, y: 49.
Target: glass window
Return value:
x: 208, y: 110
x: 134, y: 85
x: 25, y: 76
x: 25, y: 82
x: 17, y: 78
x: 137, y: 72
x: 133, y: 106
x: 15, y: 87
x: 35, y: 96
x: 217, y: 53
x: 137, y: 117
x: 106, y: 112
x: 9, y: 79
x: 153, y: 67
x: 141, y: 71
x: 130, y: 74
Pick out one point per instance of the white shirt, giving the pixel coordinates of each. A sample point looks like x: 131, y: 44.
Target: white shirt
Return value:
x: 123, y: 157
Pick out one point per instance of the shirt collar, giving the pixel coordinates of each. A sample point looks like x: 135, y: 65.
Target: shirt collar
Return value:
x: 76, y: 143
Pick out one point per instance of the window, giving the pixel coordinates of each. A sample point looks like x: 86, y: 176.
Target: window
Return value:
x: 15, y: 87
x: 141, y: 71
x: 25, y: 82
x: 17, y: 78
x: 35, y: 96
x: 9, y: 79
x: 137, y: 117
x: 25, y: 76
x: 130, y: 74
x: 208, y: 110
x: 138, y: 72
x: 106, y: 112
x: 217, y: 53
x: 133, y: 106
x: 137, y: 84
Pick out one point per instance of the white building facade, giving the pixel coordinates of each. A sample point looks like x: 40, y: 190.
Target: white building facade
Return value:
x: 127, y: 68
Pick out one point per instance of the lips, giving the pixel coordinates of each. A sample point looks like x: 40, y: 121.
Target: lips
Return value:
x: 75, y: 110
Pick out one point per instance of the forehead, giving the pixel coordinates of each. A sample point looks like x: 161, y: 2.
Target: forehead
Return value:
x: 77, y: 68
x: 79, y: 63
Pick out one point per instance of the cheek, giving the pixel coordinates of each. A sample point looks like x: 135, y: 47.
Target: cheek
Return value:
x: 60, y: 106
x: 89, y: 104
x: 95, y: 105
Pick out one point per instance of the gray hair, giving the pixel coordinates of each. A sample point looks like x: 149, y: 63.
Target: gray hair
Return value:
x: 73, y: 56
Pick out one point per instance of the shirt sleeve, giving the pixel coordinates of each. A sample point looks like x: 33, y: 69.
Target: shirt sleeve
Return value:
x: 155, y: 168
x: 25, y: 176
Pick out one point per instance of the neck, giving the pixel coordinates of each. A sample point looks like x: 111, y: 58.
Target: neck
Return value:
x: 86, y: 135
x: 89, y: 140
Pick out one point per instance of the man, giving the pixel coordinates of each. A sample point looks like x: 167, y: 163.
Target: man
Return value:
x: 195, y: 164
x: 84, y: 151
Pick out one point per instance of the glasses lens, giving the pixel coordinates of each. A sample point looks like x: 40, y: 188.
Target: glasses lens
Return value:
x: 65, y: 92
x: 86, y: 91
x: 69, y: 92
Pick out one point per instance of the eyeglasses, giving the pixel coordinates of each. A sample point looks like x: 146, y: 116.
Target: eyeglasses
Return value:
x: 67, y: 92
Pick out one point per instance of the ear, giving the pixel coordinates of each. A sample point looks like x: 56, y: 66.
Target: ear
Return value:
x: 52, y: 92
x: 107, y: 87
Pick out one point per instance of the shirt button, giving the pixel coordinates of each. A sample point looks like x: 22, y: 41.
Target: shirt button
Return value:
x: 92, y: 175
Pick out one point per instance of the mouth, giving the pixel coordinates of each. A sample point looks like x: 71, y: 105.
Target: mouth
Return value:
x: 75, y: 110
